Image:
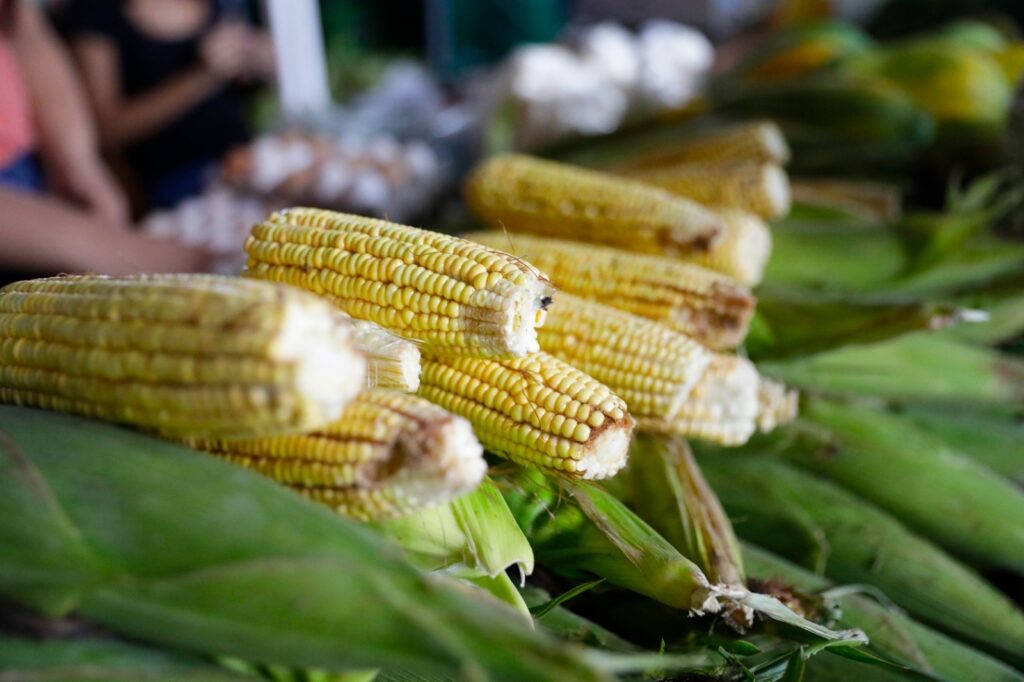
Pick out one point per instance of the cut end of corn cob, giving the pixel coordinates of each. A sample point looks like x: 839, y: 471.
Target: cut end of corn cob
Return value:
x: 687, y: 298
x: 777, y: 405
x: 182, y: 354
x: 743, y: 250
x: 389, y: 454
x: 392, y: 362
x: 651, y: 367
x: 440, y: 290
x: 723, y: 407
x: 759, y: 188
x: 537, y: 411
x: 525, y: 194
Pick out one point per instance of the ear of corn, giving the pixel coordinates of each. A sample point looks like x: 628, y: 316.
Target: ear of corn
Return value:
x: 742, y: 250
x: 759, y: 188
x: 392, y: 362
x: 964, y: 507
x: 186, y: 355
x: 441, y: 290
x: 524, y: 194
x: 652, y: 368
x: 389, y: 454
x: 891, y: 632
x: 814, y: 522
x: 752, y: 142
x: 723, y: 407
x: 666, y: 488
x: 705, y: 305
x: 992, y: 438
x: 776, y: 405
x: 875, y: 201
x: 537, y: 411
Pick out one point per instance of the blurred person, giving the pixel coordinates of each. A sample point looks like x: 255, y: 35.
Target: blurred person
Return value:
x: 161, y: 76
x: 59, y: 208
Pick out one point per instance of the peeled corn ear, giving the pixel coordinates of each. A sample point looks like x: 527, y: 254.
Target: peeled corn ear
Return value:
x: 777, y: 405
x: 693, y: 300
x: 441, y: 290
x: 393, y: 362
x: 184, y: 354
x: 648, y: 365
x: 723, y: 407
x: 743, y: 250
x: 388, y: 454
x: 525, y: 194
x: 751, y: 142
x: 537, y: 411
x: 759, y: 188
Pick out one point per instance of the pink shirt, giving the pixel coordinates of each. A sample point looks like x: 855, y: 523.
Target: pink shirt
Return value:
x: 17, y: 136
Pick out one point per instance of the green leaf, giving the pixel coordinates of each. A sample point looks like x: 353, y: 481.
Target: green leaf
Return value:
x: 101, y: 660
x: 543, y: 609
x: 188, y: 551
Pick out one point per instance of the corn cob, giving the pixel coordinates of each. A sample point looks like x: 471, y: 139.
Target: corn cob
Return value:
x: 753, y: 142
x: 874, y: 201
x: 441, y: 290
x: 758, y: 188
x: 525, y: 194
x: 392, y: 362
x: 741, y: 252
x: 536, y: 411
x: 187, y: 355
x: 649, y: 366
x: 723, y: 407
x: 388, y: 454
x: 705, y: 305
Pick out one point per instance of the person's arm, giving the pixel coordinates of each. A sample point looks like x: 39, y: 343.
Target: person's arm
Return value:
x: 122, y: 119
x: 67, y: 137
x: 47, y: 235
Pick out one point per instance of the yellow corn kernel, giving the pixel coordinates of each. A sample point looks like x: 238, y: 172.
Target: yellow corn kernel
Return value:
x: 758, y: 188
x: 184, y: 354
x: 430, y: 287
x: 693, y: 300
x: 528, y: 195
x: 743, y: 250
x: 749, y: 142
x: 723, y: 407
x: 537, y: 411
x: 646, y: 364
x: 389, y: 454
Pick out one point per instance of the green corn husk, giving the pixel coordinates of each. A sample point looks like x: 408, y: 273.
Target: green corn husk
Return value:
x: 665, y: 487
x: 164, y: 544
x: 992, y: 438
x: 579, y: 530
x: 926, y: 368
x: 474, y: 535
x: 101, y: 660
x: 834, y: 255
x: 943, y: 495
x: 788, y: 323
x: 817, y: 524
x: 892, y: 634
x: 1003, y: 304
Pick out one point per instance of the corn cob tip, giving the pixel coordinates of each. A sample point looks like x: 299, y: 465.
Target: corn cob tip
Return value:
x: 393, y: 362
x: 744, y: 249
x: 777, y: 405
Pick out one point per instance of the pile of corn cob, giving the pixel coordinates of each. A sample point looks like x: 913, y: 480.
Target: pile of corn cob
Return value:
x: 594, y: 330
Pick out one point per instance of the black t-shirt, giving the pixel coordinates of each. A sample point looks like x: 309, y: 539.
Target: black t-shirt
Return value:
x: 201, y: 134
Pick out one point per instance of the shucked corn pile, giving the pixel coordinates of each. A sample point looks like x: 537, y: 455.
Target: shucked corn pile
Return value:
x: 603, y: 324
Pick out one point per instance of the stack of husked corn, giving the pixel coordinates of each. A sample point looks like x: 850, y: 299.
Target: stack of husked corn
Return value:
x: 643, y: 251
